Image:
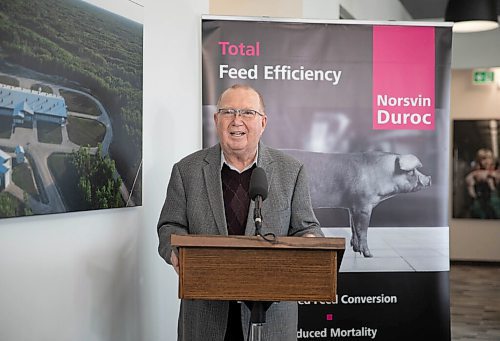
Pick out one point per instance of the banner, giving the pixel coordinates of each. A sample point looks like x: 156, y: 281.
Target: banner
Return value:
x: 365, y: 106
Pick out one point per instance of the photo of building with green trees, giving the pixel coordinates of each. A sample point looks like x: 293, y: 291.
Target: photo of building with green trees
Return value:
x: 70, y: 108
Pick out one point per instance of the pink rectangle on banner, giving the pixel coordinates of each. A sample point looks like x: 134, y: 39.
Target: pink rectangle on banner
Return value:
x: 403, y: 77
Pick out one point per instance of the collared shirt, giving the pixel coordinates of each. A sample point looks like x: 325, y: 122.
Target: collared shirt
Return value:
x: 223, y: 161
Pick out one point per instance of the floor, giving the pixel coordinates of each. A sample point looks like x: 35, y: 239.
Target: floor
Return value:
x: 475, y: 301
x: 397, y: 249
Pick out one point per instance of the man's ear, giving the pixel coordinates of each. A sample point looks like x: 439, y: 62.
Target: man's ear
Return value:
x: 264, y: 122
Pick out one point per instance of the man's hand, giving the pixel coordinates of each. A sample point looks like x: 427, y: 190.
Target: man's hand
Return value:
x: 175, y: 261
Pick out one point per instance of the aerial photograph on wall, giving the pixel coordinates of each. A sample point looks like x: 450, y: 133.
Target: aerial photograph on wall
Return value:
x: 70, y: 108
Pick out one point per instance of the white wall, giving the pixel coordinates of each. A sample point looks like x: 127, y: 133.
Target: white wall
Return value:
x: 376, y: 10
x: 172, y: 129
x: 320, y: 9
x: 70, y: 276
x: 274, y: 8
x: 472, y: 50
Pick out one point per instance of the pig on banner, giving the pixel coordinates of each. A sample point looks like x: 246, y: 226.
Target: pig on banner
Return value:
x: 360, y: 181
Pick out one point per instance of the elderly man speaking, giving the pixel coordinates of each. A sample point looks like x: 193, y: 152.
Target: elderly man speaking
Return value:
x: 208, y: 194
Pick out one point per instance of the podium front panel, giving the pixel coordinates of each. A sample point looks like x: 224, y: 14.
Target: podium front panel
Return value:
x: 270, y: 274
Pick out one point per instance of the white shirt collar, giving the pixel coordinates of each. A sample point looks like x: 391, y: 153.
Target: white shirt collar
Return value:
x: 223, y: 161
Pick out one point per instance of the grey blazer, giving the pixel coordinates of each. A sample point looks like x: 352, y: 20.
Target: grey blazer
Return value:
x: 195, y: 205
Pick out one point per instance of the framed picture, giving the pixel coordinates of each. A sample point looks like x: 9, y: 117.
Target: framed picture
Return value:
x: 70, y: 108
x: 476, y: 173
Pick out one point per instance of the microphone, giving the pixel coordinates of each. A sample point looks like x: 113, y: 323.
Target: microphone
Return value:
x: 258, y: 193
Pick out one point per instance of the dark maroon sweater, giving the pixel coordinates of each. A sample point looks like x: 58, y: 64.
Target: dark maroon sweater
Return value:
x: 236, y: 199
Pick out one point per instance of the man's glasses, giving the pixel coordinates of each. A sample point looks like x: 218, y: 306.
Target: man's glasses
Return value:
x: 244, y: 113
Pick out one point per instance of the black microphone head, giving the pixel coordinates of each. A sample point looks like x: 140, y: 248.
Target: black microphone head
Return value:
x: 258, y: 184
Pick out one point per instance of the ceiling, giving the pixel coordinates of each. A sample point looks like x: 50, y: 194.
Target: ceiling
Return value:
x: 429, y: 9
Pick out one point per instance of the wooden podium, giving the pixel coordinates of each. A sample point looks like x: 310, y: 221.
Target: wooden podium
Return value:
x: 242, y: 268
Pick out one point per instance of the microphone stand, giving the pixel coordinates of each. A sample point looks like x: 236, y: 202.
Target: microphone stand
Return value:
x: 258, y: 309
x: 257, y: 317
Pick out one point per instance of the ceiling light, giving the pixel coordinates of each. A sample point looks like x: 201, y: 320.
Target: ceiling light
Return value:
x: 472, y: 15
